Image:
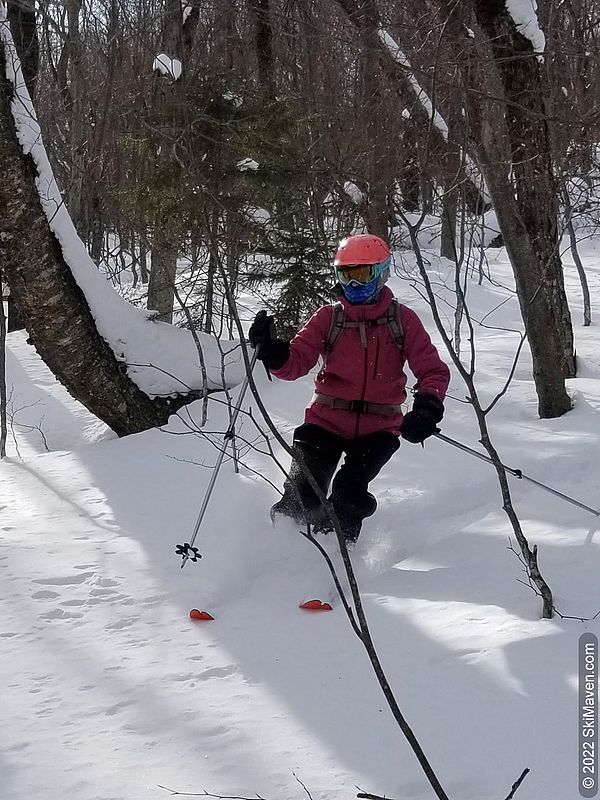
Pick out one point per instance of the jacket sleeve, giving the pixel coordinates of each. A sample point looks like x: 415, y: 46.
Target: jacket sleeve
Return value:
x: 306, y: 346
x: 432, y: 374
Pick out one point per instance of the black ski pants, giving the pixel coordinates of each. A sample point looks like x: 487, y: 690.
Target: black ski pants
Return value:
x: 321, y: 452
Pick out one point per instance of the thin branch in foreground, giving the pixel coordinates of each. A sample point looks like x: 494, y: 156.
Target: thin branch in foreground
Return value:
x: 516, y: 784
x: 347, y: 607
x: 174, y: 793
x: 511, y: 794
x: 306, y: 791
x: 365, y: 633
x: 530, y: 555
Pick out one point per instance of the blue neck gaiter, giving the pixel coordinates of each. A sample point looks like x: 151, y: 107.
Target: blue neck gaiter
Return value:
x: 357, y: 293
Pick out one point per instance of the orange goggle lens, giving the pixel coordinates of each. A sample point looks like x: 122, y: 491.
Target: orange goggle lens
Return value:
x: 361, y: 273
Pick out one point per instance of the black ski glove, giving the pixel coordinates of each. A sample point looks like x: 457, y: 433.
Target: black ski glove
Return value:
x: 273, y: 352
x: 262, y: 331
x: 421, y: 422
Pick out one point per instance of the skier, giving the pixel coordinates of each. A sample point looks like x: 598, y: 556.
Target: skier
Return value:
x: 364, y: 339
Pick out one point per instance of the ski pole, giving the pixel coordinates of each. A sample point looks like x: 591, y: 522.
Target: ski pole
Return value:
x: 187, y: 550
x: 518, y: 474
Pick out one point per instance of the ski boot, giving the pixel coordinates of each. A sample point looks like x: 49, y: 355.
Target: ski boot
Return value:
x: 284, y: 509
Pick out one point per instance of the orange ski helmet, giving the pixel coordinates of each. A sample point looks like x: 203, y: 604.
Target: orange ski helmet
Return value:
x: 365, y: 248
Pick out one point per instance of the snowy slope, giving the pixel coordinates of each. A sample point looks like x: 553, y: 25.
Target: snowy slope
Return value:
x: 110, y: 691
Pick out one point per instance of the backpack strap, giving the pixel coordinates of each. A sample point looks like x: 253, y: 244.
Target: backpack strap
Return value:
x: 336, y: 327
x: 392, y: 317
x: 339, y: 322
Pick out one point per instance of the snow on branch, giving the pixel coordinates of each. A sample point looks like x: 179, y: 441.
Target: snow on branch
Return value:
x: 167, y: 66
x: 524, y: 15
x: 423, y: 98
x: 247, y: 164
x: 161, y: 359
x: 354, y: 193
x: 398, y: 55
x: 186, y: 9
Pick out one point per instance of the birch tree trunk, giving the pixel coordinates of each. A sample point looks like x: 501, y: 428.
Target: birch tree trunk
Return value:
x: 56, y: 312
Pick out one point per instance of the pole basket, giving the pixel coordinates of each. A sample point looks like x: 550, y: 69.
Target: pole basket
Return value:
x: 187, y: 552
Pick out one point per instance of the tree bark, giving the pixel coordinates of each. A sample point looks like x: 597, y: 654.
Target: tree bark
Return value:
x: 453, y: 165
x: 15, y: 321
x: 263, y: 40
x: 377, y: 211
x: 22, y: 19
x: 165, y: 239
x: 56, y: 312
x: 585, y: 289
x: 163, y: 273
x: 21, y: 16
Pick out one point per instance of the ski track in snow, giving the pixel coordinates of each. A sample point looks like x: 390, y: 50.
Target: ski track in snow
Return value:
x: 110, y: 690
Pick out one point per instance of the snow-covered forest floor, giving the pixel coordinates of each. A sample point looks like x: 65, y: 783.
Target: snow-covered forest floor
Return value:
x: 110, y: 691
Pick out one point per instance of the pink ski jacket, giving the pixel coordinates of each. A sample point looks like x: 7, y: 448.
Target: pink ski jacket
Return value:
x: 374, y: 373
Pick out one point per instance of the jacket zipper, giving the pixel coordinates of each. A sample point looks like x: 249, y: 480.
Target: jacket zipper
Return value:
x: 365, y: 376
x: 376, y: 358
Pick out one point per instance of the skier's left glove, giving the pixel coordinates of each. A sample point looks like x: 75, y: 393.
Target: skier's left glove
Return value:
x: 421, y: 422
x: 273, y: 352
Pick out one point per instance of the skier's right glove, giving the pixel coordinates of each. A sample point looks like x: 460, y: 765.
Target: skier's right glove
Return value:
x: 273, y: 352
x: 421, y: 422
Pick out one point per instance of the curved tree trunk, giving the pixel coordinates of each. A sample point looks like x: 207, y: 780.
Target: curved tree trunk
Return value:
x: 58, y: 318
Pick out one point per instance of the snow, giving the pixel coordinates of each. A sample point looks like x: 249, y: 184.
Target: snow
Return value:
x: 234, y: 98
x: 170, y: 67
x: 247, y: 164
x: 110, y: 691
x: 354, y: 193
x: 524, y: 14
x: 186, y: 10
x: 259, y: 215
x: 161, y: 359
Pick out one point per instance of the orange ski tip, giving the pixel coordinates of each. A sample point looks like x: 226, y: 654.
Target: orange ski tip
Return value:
x: 199, y: 615
x: 315, y: 605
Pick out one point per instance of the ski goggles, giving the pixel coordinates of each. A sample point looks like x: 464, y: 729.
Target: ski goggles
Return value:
x: 361, y: 273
